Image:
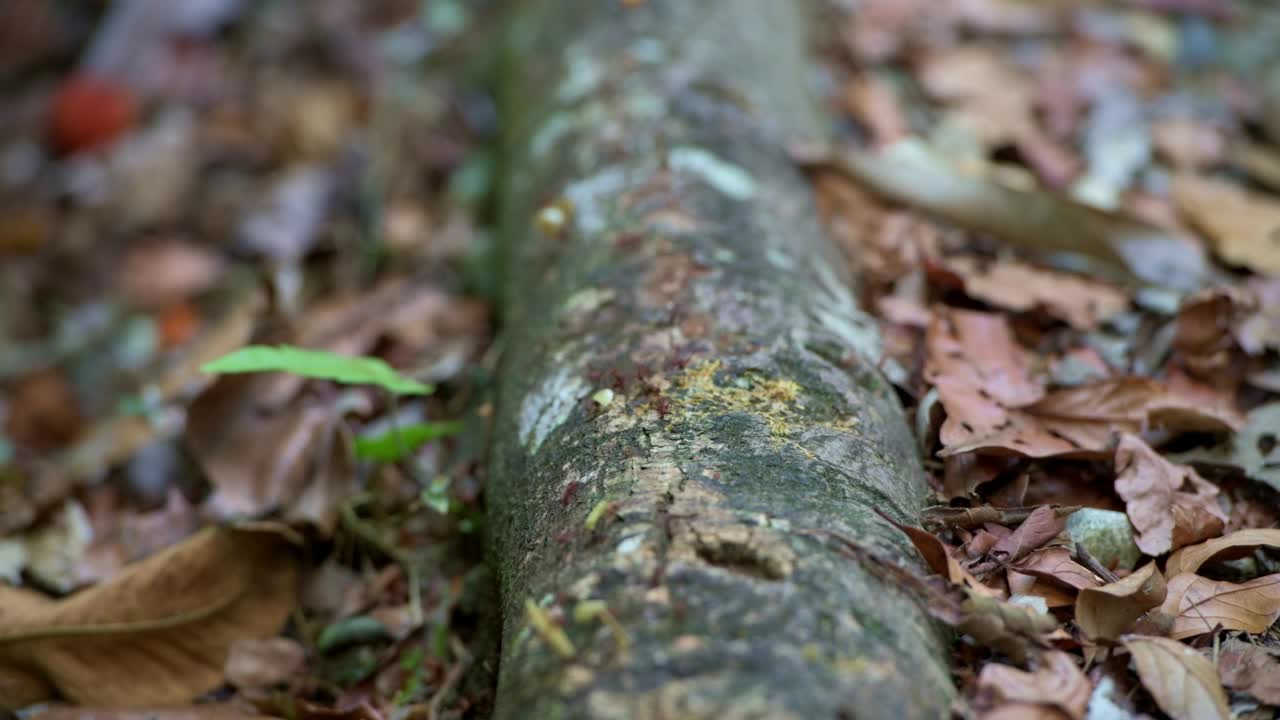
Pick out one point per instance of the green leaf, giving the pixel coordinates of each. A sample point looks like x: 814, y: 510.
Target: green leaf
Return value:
x: 384, y: 447
x: 318, y: 364
x: 436, y: 496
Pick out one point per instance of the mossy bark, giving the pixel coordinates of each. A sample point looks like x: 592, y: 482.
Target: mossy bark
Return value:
x: 688, y: 390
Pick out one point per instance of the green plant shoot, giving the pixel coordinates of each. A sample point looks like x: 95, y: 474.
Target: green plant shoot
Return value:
x: 316, y: 364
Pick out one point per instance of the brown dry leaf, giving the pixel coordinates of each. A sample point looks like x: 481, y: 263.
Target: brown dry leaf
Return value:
x: 43, y: 412
x: 1134, y: 402
x: 977, y: 350
x: 1250, y: 668
x: 1038, y: 222
x: 263, y: 663
x: 1012, y: 285
x: 1199, y: 605
x: 291, y: 459
x: 984, y: 381
x: 155, y: 274
x: 1229, y: 547
x: 872, y: 100
x: 940, y: 560
x: 1188, y: 144
x: 159, y: 632
x: 1055, y: 564
x: 1041, y: 526
x: 1259, y: 330
x: 1182, y: 681
x: 886, y: 242
x: 1057, y: 682
x: 1014, y: 630
x: 1244, y: 226
x: 202, y: 711
x: 987, y: 95
x: 1169, y: 505
x: 1205, y: 341
x: 1106, y: 612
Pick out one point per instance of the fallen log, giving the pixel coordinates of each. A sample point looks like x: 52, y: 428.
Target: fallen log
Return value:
x: 688, y: 401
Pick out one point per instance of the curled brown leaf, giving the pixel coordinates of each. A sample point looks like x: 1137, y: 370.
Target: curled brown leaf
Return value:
x: 1169, y: 505
x: 1107, y: 612
x: 1200, y: 605
x: 1182, y: 681
x: 160, y: 631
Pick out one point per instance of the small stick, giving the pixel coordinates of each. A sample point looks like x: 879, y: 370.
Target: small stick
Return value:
x: 1083, y: 557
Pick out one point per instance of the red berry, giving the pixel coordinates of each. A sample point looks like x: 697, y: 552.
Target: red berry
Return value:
x: 89, y: 113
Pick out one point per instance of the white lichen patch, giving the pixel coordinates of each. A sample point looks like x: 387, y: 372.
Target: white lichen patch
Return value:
x: 836, y: 311
x: 583, y: 76
x: 728, y: 179
x: 649, y: 50
x: 549, y: 406
x: 780, y: 259
x: 588, y: 300
x: 589, y: 194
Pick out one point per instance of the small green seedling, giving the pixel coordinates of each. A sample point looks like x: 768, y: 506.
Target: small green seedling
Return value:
x: 316, y: 364
x: 386, y: 447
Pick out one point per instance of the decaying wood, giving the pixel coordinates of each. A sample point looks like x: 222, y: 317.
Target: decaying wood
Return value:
x: 688, y: 388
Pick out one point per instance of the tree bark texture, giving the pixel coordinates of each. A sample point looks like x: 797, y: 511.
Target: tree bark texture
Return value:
x: 688, y: 389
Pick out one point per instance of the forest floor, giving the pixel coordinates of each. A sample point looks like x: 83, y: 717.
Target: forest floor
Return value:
x: 1065, y: 215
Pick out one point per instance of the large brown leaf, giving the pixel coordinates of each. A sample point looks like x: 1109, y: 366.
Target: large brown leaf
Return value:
x: 1012, y: 285
x: 1251, y: 668
x: 1229, y: 547
x: 1199, y: 605
x: 1109, y: 611
x: 995, y: 405
x: 1055, y: 564
x: 159, y: 632
x: 1039, y: 222
x: 1182, y: 681
x: 1165, y: 515
x: 1244, y: 226
x: 1134, y: 402
x: 1057, y: 683
x: 1041, y: 526
x: 984, y: 380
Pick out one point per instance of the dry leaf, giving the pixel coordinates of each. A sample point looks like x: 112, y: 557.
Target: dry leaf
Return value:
x: 1055, y: 564
x: 873, y: 102
x: 1259, y: 329
x: 203, y: 711
x: 993, y: 404
x: 1041, y: 526
x: 1013, y: 629
x: 1200, y: 605
x: 263, y: 663
x: 1108, y: 611
x: 1038, y: 222
x: 1236, y: 545
x: 1135, y: 402
x: 1057, y: 682
x: 1183, y: 683
x: 1250, y: 668
x: 160, y: 631
x: 986, y: 94
x: 1169, y: 505
x: 155, y: 274
x: 1205, y: 342
x: 292, y: 459
x: 939, y: 558
x: 983, y: 379
x: 1011, y: 285
x: 1244, y: 226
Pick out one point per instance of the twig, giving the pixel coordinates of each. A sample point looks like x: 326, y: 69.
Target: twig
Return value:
x: 451, y: 678
x: 1083, y: 557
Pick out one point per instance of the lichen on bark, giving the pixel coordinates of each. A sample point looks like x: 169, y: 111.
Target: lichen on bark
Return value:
x: 683, y: 270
